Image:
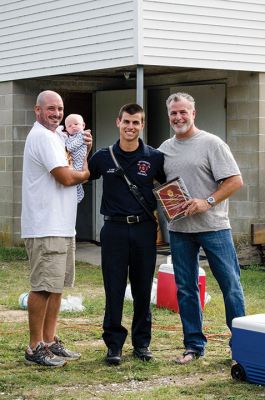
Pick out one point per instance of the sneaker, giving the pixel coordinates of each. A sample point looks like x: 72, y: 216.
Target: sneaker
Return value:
x: 144, y: 353
x: 113, y: 357
x: 58, y: 349
x: 43, y: 356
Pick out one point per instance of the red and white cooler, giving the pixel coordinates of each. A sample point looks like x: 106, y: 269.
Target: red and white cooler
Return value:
x: 167, y: 289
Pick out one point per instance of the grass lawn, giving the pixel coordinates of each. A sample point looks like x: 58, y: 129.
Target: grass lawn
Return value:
x: 90, y: 378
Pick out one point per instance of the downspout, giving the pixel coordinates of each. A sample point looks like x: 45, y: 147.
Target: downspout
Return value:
x: 139, y: 54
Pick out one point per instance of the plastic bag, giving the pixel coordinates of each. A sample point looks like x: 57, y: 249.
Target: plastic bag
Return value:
x: 128, y: 292
x: 72, y: 303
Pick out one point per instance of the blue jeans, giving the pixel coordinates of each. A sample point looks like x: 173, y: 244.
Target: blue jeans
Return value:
x: 220, y: 252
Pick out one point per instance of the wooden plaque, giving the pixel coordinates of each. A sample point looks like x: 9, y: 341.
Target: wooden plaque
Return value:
x: 171, y: 196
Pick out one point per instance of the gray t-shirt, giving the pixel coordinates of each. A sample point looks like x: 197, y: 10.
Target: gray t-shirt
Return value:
x: 201, y: 161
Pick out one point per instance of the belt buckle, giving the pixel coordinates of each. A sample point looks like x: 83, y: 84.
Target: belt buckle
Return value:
x: 132, y: 219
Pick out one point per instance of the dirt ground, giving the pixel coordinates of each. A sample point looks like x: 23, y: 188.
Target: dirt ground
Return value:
x: 134, y: 386
x: 96, y: 391
x: 13, y: 315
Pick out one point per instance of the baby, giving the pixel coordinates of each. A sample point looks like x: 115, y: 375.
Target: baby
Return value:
x: 74, y: 125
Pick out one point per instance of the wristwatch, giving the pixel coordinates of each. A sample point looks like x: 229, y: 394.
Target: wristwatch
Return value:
x: 211, y: 201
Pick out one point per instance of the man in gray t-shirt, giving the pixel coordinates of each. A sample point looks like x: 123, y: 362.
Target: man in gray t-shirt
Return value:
x: 211, y: 175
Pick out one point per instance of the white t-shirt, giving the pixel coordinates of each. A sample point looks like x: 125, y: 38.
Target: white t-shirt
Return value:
x: 202, y: 161
x: 48, y: 207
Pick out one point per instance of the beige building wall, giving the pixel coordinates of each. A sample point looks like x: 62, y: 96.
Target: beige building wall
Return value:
x: 6, y: 162
x: 245, y: 136
x: 244, y: 116
x: 261, y: 147
x: 16, y: 117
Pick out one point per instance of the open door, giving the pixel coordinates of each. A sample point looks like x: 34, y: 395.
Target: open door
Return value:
x: 81, y: 103
x: 108, y: 104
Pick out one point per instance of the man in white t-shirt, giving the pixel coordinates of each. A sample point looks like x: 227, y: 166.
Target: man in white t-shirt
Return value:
x: 211, y: 175
x: 49, y: 205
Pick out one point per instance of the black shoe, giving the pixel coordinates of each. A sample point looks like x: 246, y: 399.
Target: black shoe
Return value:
x: 113, y: 357
x: 144, y: 353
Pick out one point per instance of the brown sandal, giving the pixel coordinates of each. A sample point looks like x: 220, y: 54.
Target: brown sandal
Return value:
x: 187, y: 356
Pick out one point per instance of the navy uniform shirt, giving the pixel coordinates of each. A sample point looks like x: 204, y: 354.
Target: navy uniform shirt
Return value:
x: 142, y: 167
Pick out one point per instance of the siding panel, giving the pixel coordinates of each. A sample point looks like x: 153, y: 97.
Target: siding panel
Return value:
x: 39, y: 38
x: 223, y: 34
x: 47, y: 37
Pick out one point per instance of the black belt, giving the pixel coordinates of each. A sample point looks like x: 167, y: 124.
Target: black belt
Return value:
x: 129, y: 219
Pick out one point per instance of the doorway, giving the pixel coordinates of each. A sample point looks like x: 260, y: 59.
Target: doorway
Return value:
x: 81, y: 103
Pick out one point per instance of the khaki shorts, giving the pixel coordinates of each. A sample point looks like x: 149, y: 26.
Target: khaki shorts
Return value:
x: 52, y: 262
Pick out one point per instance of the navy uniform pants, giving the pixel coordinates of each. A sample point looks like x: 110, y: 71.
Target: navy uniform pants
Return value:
x: 128, y: 250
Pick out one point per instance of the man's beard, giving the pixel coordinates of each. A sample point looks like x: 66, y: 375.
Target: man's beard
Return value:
x: 183, y: 129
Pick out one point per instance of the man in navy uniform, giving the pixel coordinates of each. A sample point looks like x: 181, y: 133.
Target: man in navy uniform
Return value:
x: 128, y: 237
